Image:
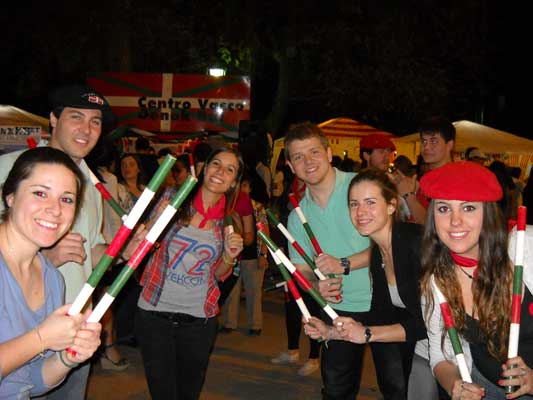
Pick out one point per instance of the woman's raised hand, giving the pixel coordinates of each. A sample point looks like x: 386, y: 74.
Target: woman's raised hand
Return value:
x: 233, y: 244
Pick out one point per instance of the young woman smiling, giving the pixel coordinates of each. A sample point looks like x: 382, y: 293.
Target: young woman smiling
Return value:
x: 394, y: 323
x: 176, y: 316
x: 41, y: 195
x: 465, y: 250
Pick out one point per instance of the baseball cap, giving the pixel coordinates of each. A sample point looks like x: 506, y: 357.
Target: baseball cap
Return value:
x: 81, y: 96
x: 376, y: 141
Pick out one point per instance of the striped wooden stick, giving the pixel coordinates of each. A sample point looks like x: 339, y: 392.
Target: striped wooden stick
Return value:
x: 275, y: 286
x: 305, y: 224
x: 291, y: 286
x: 452, y: 332
x: 514, y: 330
x: 122, y: 235
x: 191, y: 165
x: 107, y: 196
x: 143, y: 249
x: 31, y: 142
x: 302, y: 281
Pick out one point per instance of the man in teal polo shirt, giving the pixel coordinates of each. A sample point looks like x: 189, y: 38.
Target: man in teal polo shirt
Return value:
x: 325, y: 206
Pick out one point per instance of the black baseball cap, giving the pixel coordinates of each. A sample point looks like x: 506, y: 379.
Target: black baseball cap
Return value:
x: 81, y: 96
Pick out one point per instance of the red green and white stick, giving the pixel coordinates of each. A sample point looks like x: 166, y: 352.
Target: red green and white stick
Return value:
x: 295, y: 244
x: 122, y: 234
x: 107, y: 196
x: 291, y: 285
x: 282, y: 284
x: 302, y: 281
x: 452, y: 332
x: 517, y: 283
x: 514, y: 330
x: 142, y: 250
x: 229, y: 223
x: 191, y: 165
x: 31, y: 142
x: 307, y: 228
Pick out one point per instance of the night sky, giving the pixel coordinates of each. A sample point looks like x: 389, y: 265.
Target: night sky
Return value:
x: 386, y: 64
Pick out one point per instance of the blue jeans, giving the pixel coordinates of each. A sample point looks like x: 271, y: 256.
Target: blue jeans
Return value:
x: 492, y: 391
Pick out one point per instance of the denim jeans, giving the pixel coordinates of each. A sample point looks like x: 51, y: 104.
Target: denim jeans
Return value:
x: 175, y: 350
x: 492, y: 391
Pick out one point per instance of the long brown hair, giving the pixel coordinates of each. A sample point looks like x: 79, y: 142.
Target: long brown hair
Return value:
x: 491, y: 289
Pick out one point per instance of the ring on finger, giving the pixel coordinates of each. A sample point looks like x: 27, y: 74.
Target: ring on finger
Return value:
x: 523, y: 371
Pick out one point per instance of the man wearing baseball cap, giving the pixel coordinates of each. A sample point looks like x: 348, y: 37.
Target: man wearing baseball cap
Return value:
x: 375, y: 150
x: 78, y: 114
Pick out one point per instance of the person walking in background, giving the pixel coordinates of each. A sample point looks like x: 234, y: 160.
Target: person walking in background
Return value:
x: 176, y: 315
x: 253, y: 259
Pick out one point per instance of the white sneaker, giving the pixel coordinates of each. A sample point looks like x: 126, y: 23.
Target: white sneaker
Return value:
x: 286, y: 358
x: 309, y: 367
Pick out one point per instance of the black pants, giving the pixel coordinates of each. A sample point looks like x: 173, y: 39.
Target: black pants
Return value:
x: 175, y: 350
x: 293, y: 322
x: 393, y: 366
x: 342, y: 363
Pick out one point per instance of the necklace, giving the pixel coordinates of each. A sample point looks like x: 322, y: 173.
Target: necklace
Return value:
x: 466, y: 273
x: 383, y: 263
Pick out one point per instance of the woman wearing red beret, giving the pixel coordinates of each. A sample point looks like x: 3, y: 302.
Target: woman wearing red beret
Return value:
x: 465, y: 249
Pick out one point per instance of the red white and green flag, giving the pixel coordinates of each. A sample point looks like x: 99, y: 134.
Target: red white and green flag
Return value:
x: 179, y: 103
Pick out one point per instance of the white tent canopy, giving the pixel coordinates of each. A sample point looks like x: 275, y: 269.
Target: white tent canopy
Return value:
x: 18, y: 127
x: 13, y: 116
x: 470, y: 134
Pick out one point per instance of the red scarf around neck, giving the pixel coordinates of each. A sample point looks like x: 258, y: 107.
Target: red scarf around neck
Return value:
x: 463, y: 261
x: 213, y: 212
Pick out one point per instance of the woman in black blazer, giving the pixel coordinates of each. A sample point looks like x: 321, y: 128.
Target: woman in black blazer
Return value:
x: 394, y: 323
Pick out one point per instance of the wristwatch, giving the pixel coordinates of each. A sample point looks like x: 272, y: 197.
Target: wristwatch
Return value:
x: 368, y: 334
x: 345, y: 263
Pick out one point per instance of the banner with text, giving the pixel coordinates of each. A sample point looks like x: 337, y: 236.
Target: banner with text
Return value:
x: 175, y: 102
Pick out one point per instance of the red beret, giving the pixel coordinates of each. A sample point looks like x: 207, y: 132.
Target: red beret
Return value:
x: 376, y: 141
x: 463, y: 180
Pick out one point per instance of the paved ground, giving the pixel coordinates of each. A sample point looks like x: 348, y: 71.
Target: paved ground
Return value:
x: 239, y: 368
